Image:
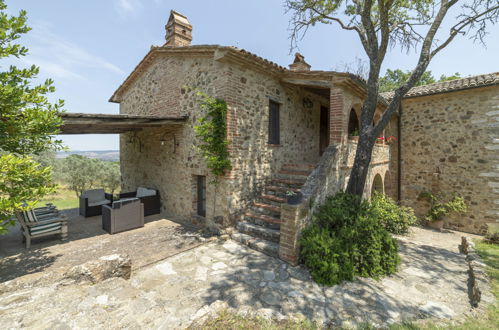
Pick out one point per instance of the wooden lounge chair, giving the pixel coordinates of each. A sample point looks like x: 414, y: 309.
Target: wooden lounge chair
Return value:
x: 42, y: 222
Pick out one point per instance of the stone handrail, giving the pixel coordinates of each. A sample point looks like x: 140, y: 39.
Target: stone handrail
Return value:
x: 319, y: 180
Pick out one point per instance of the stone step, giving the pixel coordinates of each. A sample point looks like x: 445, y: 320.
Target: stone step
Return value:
x: 259, y: 231
x: 268, y: 209
x: 299, y: 167
x: 261, y: 245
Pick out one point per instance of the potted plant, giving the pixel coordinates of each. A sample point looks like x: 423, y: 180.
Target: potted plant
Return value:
x: 439, y: 209
x: 354, y: 136
x: 390, y: 140
x: 293, y: 198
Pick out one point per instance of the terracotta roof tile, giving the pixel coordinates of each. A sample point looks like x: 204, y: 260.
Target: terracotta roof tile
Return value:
x: 483, y: 80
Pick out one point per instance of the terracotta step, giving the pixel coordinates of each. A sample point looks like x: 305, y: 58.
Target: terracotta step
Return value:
x: 250, y: 217
x: 299, y: 167
x: 282, y: 189
x: 279, y: 191
x: 261, y: 245
x: 288, y: 182
x: 259, y: 231
x: 263, y: 217
x: 267, y: 207
x: 295, y: 173
x: 274, y: 198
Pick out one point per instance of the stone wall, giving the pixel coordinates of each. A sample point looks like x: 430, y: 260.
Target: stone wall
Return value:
x: 450, y: 145
x: 168, y: 87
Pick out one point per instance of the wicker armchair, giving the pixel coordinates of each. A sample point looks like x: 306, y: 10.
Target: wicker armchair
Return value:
x: 123, y: 215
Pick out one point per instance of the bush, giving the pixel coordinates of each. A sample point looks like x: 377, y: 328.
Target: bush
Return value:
x: 347, y: 239
x: 396, y: 219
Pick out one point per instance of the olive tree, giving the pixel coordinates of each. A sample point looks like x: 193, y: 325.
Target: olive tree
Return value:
x: 110, y: 176
x: 28, y: 123
x: 384, y: 24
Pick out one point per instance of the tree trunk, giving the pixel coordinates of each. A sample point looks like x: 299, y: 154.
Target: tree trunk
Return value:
x: 360, y: 168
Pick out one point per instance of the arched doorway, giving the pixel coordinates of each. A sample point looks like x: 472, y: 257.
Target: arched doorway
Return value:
x: 377, y: 185
x: 353, y: 123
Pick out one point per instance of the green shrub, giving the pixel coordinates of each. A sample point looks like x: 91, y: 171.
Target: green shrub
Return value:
x: 396, y: 219
x: 347, y: 239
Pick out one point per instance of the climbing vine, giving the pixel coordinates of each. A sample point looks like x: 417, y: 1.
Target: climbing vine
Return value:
x: 211, y: 130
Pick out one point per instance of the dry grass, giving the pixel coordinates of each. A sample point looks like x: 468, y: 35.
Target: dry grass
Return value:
x: 63, y: 199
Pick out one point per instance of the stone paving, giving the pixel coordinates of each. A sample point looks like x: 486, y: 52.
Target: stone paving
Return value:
x: 431, y: 283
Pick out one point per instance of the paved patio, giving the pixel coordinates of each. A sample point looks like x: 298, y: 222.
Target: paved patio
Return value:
x: 431, y: 283
x: 157, y: 240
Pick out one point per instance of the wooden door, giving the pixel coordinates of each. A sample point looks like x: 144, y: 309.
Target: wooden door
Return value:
x: 324, y: 130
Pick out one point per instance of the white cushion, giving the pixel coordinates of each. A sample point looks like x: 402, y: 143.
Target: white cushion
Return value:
x: 94, y: 195
x: 144, y: 192
x: 103, y: 202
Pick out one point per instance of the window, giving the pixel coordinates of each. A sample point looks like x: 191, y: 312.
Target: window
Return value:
x: 274, y: 130
x: 201, y: 195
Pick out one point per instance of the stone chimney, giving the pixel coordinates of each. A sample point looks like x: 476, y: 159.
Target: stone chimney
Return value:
x: 178, y: 30
x: 299, y: 64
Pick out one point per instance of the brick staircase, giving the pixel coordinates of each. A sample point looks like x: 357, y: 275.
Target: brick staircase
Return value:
x: 260, y: 229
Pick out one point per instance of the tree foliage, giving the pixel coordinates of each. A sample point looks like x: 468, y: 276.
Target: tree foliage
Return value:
x: 110, y: 176
x: 28, y: 123
x: 393, y: 79
x: 22, y: 182
x: 81, y: 173
x: 384, y: 24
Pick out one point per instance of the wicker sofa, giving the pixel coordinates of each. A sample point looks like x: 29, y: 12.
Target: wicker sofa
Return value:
x: 149, y: 197
x: 91, y: 202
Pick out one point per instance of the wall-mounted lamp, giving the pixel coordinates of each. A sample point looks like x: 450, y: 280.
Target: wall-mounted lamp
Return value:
x: 164, y: 142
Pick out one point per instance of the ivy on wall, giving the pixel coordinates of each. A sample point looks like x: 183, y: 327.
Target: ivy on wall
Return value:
x: 212, y: 131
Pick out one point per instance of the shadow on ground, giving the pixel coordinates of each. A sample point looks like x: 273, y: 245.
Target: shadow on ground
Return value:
x: 158, y: 239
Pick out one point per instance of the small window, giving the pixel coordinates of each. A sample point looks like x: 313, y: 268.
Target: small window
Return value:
x: 274, y: 129
x: 201, y: 195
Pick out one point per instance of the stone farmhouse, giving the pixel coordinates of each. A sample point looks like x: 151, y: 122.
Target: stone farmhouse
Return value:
x: 292, y: 129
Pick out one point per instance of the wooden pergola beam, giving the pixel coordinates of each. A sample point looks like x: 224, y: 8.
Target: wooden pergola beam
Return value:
x: 86, y: 123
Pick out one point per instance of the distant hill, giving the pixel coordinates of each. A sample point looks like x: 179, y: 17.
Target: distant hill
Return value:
x: 107, y: 155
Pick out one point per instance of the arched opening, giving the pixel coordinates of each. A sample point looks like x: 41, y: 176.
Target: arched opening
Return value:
x: 377, y: 185
x: 353, y: 123
x: 389, y: 185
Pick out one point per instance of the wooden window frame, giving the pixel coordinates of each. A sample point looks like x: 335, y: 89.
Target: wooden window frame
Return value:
x: 274, y: 123
x: 201, y: 195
